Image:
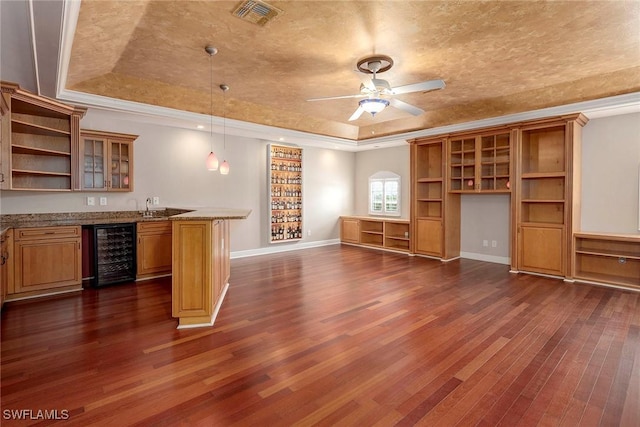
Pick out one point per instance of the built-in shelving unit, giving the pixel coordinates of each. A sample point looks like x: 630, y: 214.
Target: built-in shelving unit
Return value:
x: 434, y: 212
x: 43, y: 134
x: 285, y: 193
x: 495, y: 163
x: 608, y: 259
x: 480, y: 163
x: 391, y: 234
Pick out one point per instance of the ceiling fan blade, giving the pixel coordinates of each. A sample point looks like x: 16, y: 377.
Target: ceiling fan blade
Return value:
x: 356, y: 114
x: 338, y: 97
x: 401, y: 105
x: 367, y: 82
x: 420, y: 87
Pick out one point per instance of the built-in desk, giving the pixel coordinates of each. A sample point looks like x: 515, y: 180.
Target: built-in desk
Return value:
x: 200, y: 264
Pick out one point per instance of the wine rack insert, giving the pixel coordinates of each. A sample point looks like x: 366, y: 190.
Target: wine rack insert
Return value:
x: 285, y: 193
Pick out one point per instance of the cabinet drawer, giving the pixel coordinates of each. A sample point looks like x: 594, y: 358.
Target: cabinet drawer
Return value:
x: 154, y: 227
x: 47, y: 233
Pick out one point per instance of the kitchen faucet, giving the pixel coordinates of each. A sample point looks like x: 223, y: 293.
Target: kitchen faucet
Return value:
x: 147, y: 213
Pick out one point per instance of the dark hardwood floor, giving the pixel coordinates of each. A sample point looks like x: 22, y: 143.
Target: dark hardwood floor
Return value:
x: 337, y: 335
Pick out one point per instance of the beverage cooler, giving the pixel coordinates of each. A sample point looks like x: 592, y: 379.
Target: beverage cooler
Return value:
x: 114, y: 259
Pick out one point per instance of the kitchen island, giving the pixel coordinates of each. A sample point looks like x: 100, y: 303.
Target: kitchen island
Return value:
x: 200, y: 261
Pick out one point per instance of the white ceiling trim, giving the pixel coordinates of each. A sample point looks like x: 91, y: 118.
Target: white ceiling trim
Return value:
x: 70, y: 13
x: 621, y: 104
x: 34, y: 50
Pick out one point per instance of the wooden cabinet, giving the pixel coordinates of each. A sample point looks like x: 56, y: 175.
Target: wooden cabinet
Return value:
x: 392, y: 234
x: 153, y: 251
x: 39, y: 142
x: 435, y: 213
x: 608, y: 258
x: 548, y: 199
x: 6, y: 241
x: 106, y: 161
x: 47, y: 259
x: 350, y: 230
x: 200, y: 270
x: 285, y: 189
x: 480, y: 163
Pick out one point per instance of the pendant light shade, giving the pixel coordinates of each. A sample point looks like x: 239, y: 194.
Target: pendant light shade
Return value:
x: 224, y: 168
x: 212, y: 162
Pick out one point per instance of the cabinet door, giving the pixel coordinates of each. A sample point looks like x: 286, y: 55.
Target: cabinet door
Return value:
x: 121, y: 165
x: 47, y: 263
x: 154, y: 250
x: 94, y: 163
x: 541, y: 250
x: 350, y: 230
x: 429, y: 237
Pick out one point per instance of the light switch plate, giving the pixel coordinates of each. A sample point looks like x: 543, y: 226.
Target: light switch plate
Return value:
x: 156, y: 200
x: 91, y: 201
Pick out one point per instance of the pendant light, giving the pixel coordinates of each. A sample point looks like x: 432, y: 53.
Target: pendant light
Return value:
x: 212, y: 159
x: 224, y: 167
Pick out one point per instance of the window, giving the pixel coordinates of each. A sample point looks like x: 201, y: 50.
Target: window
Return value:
x: 384, y: 194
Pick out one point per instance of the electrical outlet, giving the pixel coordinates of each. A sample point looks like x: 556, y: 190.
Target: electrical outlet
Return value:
x: 156, y: 200
x: 91, y: 201
x: 103, y: 201
x: 494, y: 243
x: 308, y: 232
x: 485, y: 243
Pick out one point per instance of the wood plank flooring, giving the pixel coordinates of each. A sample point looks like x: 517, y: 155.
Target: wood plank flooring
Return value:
x: 337, y: 335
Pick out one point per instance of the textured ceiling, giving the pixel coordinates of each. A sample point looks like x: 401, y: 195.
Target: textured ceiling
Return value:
x: 496, y: 58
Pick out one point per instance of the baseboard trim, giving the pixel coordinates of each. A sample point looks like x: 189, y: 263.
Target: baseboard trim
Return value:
x: 487, y: 258
x: 216, y: 309
x: 283, y: 248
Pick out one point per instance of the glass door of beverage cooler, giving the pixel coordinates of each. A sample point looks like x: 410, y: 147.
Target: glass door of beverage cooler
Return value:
x: 114, y: 259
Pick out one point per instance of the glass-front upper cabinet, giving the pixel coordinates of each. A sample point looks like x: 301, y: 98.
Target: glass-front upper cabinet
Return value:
x: 107, y: 161
x: 93, y: 172
x: 120, y: 158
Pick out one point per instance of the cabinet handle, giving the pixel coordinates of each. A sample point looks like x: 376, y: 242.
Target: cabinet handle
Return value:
x: 1, y: 177
x: 4, y: 260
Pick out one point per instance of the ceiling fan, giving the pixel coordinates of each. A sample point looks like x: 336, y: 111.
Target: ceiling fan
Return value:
x: 378, y: 93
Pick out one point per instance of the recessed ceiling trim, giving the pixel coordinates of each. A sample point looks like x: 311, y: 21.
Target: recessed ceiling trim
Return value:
x: 604, y: 107
x: 70, y: 14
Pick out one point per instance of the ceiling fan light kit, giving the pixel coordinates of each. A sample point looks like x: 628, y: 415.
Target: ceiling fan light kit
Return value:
x: 376, y: 91
x: 373, y: 105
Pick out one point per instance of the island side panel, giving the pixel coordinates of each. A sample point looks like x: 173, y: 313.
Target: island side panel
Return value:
x: 192, y: 280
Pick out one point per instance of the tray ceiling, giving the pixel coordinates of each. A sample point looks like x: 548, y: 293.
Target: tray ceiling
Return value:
x: 497, y: 58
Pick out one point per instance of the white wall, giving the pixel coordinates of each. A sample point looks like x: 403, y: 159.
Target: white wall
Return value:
x: 485, y: 217
x: 610, y: 165
x: 169, y: 163
x: 394, y: 159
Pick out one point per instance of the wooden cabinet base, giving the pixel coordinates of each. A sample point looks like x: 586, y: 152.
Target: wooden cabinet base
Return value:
x: 200, y: 321
x: 200, y: 270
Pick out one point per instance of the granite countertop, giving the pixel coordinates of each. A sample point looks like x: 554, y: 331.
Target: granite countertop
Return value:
x: 114, y: 217
x: 212, y: 213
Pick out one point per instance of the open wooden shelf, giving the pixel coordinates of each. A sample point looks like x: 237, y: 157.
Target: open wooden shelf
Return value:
x: 608, y: 258
x: 383, y: 233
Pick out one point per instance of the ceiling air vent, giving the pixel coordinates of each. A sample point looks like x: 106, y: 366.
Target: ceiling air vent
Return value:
x: 256, y: 11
